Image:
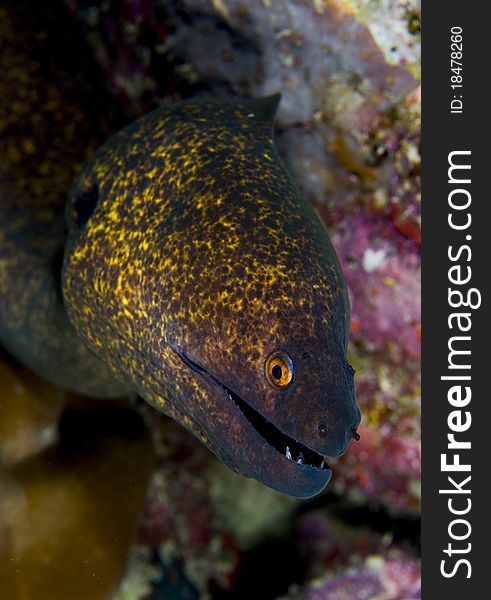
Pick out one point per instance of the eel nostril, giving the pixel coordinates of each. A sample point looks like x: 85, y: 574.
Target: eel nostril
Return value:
x: 355, y: 435
x: 322, y: 429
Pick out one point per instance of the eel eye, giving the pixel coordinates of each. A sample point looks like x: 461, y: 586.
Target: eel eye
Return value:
x: 279, y: 369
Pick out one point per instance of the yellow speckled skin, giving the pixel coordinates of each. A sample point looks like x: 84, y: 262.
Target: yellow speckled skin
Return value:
x: 201, y: 246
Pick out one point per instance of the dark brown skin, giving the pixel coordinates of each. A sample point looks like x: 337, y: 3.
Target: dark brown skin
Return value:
x: 191, y: 258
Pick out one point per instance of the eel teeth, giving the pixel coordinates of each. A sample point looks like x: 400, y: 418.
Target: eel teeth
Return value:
x: 265, y: 429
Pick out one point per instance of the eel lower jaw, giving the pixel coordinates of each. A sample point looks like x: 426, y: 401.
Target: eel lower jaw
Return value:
x: 294, y: 453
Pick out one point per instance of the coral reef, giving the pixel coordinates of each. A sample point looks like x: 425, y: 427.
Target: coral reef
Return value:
x: 386, y: 578
x: 210, y: 527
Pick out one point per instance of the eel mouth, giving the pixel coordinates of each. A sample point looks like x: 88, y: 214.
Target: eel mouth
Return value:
x: 290, y: 448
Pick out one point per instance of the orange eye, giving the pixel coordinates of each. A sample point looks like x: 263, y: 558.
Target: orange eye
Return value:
x: 279, y: 369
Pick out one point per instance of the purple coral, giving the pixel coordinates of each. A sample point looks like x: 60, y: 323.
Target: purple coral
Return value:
x: 395, y: 577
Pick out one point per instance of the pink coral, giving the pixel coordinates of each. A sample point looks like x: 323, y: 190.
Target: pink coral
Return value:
x: 395, y: 577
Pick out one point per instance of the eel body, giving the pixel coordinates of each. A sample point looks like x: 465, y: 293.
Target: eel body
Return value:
x: 196, y: 274
x: 49, y: 125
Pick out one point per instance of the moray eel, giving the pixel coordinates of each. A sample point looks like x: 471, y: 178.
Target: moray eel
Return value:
x: 196, y: 274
